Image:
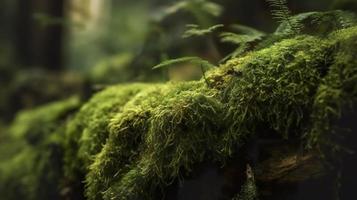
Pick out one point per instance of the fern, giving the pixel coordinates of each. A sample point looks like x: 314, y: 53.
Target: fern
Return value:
x: 245, y: 39
x: 246, y: 34
x: 192, y: 60
x: 197, y: 8
x: 194, y: 30
x: 281, y: 13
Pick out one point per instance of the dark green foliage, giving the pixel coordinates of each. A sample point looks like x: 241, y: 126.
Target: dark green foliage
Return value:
x: 319, y: 23
x: 31, y: 162
x: 245, y: 39
x: 336, y: 97
x: 281, y: 13
x: 312, y: 23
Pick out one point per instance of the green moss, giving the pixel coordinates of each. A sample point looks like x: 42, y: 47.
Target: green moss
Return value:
x: 150, y: 140
x: 87, y: 132
x: 32, y: 166
x: 132, y: 141
x: 160, y: 134
x: 34, y: 124
x: 336, y: 95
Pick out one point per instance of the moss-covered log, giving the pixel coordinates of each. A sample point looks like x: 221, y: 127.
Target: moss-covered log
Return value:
x: 286, y: 111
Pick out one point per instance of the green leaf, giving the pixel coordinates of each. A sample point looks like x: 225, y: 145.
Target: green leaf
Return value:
x: 193, y: 7
x: 247, y: 30
x: 194, y: 30
x: 192, y: 60
x: 244, y: 39
x: 282, y: 13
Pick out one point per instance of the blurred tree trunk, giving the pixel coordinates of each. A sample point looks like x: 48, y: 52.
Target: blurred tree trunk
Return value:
x: 38, y: 45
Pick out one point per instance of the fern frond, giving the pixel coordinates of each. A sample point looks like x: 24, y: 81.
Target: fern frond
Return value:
x: 192, y: 60
x: 239, y: 39
x: 193, y: 7
x: 247, y: 30
x: 244, y: 40
x: 281, y: 12
x: 195, y: 31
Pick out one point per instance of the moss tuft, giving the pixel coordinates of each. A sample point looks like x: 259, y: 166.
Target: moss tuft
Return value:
x: 32, y: 166
x: 88, y: 131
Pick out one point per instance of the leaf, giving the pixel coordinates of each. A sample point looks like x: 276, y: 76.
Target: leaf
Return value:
x: 244, y: 40
x: 193, y: 60
x: 194, y: 30
x: 204, y: 7
x: 247, y: 30
x: 281, y: 13
x: 239, y: 39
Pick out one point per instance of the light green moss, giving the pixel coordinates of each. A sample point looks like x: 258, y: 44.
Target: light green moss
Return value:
x: 162, y: 133
x: 150, y: 140
x: 130, y: 142
x: 87, y: 132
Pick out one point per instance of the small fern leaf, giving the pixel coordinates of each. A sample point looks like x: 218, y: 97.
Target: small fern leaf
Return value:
x: 281, y: 12
x: 247, y: 39
x: 192, y: 60
x: 247, y: 30
x: 195, y: 31
x: 239, y: 39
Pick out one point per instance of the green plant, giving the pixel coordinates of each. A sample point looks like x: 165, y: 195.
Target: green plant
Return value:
x: 203, y: 64
x: 192, y: 60
x: 244, y: 39
x: 281, y: 13
x: 202, y: 10
x: 195, y: 31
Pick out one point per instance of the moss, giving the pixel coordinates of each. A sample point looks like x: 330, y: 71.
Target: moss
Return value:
x: 133, y: 141
x: 87, y: 132
x: 32, y: 168
x: 161, y: 133
x: 150, y: 140
x: 336, y: 95
x: 36, y: 123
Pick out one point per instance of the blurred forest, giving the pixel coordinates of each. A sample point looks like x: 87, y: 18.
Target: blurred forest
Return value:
x: 52, y: 49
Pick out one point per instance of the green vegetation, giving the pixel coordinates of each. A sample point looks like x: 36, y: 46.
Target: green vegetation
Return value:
x: 132, y: 141
x: 281, y: 12
x: 31, y: 158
